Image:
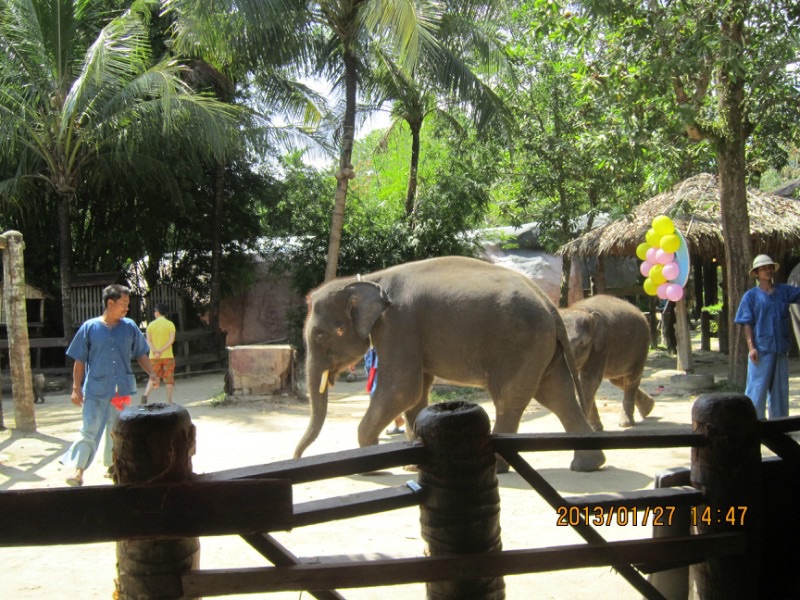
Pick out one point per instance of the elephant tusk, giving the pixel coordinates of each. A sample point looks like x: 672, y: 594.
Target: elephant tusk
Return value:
x: 323, y: 382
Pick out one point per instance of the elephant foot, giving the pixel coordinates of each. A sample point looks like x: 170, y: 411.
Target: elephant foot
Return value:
x: 588, y: 460
x: 626, y: 420
x: 645, y: 404
x: 597, y: 426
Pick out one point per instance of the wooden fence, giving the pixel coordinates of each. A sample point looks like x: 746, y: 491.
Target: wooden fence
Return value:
x: 718, y: 524
x: 196, y: 351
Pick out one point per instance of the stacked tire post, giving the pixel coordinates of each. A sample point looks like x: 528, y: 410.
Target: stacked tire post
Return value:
x: 461, y: 510
x: 728, y: 472
x: 154, y: 444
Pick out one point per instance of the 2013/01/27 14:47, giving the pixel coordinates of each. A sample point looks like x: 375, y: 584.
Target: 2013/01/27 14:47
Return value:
x: 711, y: 515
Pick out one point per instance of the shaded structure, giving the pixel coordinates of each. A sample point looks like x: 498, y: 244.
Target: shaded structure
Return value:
x: 694, y: 207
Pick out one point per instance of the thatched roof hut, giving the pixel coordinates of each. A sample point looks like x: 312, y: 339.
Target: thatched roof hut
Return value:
x: 694, y: 207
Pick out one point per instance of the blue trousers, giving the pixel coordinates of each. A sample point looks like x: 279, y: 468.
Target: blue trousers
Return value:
x: 99, y: 418
x: 768, y: 383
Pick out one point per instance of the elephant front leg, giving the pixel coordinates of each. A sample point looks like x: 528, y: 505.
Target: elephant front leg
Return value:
x: 626, y: 414
x: 590, y: 382
x: 412, y: 413
x: 390, y: 401
x: 378, y: 416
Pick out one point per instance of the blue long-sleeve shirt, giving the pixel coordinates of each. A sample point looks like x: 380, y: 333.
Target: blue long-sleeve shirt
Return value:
x: 768, y: 315
x: 107, y: 353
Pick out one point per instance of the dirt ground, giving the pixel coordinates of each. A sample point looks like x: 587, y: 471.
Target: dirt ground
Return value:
x: 256, y: 431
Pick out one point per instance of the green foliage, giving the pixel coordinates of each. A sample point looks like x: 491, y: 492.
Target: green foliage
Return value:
x: 374, y: 235
x: 714, y: 311
x: 592, y: 90
x: 452, y: 394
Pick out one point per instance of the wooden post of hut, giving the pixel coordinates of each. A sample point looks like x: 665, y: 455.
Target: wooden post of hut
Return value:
x: 683, y: 337
x: 728, y: 472
x: 154, y: 443
x: 461, y: 510
x: 19, y: 350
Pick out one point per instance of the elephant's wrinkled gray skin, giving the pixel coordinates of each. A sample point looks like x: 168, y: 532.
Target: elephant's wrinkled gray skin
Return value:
x: 610, y: 339
x: 457, y: 318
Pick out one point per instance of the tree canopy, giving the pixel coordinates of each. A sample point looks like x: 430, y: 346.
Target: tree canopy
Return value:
x: 181, y: 120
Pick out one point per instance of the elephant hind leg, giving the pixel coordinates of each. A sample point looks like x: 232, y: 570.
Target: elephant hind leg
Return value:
x: 644, y: 402
x: 628, y: 387
x: 507, y: 421
x: 557, y: 393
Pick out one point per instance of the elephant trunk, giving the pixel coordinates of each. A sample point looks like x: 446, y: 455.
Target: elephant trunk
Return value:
x: 317, y: 380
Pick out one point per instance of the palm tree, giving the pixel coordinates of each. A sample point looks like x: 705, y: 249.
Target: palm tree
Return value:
x: 231, y: 57
x: 426, y: 91
x: 79, y: 102
x: 333, y: 38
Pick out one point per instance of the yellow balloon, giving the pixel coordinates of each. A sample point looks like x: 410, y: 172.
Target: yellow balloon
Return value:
x: 650, y: 288
x: 663, y: 225
x: 652, y: 238
x: 670, y: 243
x: 656, y: 274
x: 641, y: 250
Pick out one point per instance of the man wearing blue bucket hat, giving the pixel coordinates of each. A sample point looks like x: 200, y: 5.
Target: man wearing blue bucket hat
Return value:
x: 764, y: 314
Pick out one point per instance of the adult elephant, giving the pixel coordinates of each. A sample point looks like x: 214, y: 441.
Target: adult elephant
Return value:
x: 457, y: 318
x: 610, y: 339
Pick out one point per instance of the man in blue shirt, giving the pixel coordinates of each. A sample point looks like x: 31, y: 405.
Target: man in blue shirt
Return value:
x: 102, y: 350
x: 764, y: 313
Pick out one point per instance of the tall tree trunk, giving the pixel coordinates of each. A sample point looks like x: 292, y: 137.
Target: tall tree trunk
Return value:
x: 65, y: 261
x: 411, y: 192
x: 345, y: 172
x: 733, y: 190
x: 216, y: 245
x: 736, y: 225
x: 19, y: 351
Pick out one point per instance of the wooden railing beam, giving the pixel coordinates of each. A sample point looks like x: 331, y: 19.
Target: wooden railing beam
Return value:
x: 374, y: 573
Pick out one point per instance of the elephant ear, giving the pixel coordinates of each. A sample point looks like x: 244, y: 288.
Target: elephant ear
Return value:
x: 367, y: 302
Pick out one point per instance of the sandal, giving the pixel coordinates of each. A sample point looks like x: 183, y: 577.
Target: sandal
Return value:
x: 77, y: 479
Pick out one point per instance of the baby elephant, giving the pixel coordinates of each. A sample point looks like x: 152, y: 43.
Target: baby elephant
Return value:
x: 610, y: 339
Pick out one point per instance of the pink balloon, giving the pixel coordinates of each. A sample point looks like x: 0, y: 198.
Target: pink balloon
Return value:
x: 671, y: 271
x: 661, y: 291
x: 664, y: 258
x: 674, y: 292
x: 651, y: 254
x: 645, y: 267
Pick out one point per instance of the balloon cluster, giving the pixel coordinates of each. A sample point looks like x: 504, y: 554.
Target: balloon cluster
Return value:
x: 660, y: 267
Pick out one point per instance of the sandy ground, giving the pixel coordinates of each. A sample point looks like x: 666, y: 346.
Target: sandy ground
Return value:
x: 257, y: 431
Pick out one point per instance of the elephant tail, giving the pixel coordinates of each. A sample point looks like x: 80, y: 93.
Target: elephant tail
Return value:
x: 569, y: 356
